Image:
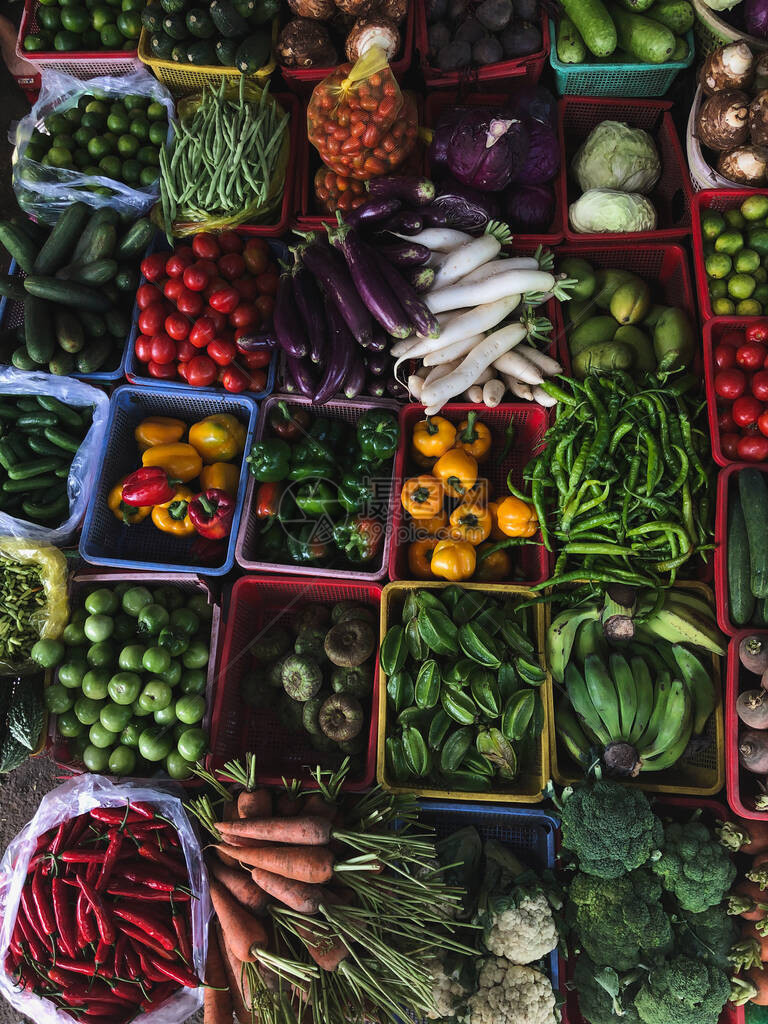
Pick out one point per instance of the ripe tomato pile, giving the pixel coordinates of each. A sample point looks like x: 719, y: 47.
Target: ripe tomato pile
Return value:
x: 197, y: 303
x: 741, y: 386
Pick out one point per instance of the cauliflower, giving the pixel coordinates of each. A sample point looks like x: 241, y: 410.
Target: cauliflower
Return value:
x: 510, y: 994
x: 448, y: 992
x: 522, y: 933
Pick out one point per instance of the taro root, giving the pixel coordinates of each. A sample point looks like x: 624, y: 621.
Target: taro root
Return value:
x: 350, y: 643
x: 368, y: 32
x: 728, y: 67
x: 494, y: 15
x: 753, y: 751
x: 341, y: 717
x: 357, y: 8
x: 454, y: 56
x: 394, y: 9
x: 272, y: 644
x: 758, y: 119
x: 487, y: 50
x: 305, y: 43
x: 357, y: 611
x: 310, y: 642
x: 761, y: 73
x: 320, y: 10
x: 746, y: 165
x: 356, y: 681
x: 302, y: 677
x: 723, y: 121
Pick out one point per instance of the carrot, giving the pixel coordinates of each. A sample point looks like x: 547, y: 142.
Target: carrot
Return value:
x: 750, y: 932
x: 217, y: 1000
x: 256, y: 804
x: 759, y: 978
x: 304, y: 864
x: 319, y: 806
x: 287, y: 805
x: 245, y: 891
x: 306, y: 830
x: 326, y: 950
x: 299, y: 896
x: 751, y: 894
x: 242, y: 929
x: 239, y: 987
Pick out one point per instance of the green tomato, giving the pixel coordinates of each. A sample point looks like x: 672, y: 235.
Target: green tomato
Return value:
x: 102, y: 602
x: 153, y: 618
x: 156, y: 660
x: 115, y: 717
x: 129, y: 737
x: 138, y: 710
x: 87, y: 710
x: 101, y: 655
x: 155, y: 743
x: 96, y: 682
x: 184, y: 620
x: 172, y: 641
x: 155, y: 696
x: 130, y: 658
x: 78, y: 616
x: 71, y: 674
x: 190, y: 709
x: 192, y: 681
x: 73, y: 634
x: 69, y: 724
x: 192, y: 744
x: 122, y: 588
x: 125, y: 627
x: 101, y: 737
x: 196, y: 655
x: 134, y: 599
x: 168, y: 596
x: 58, y: 699
x: 124, y: 687
x: 95, y: 759
x: 198, y: 604
x: 98, y: 628
x: 177, y: 767
x: 77, y: 745
x: 172, y: 674
x: 166, y: 716
x: 122, y: 760
x: 48, y: 653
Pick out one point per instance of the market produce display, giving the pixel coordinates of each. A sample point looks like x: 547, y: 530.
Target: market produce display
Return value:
x: 735, y: 249
x: 635, y: 32
x: 738, y: 374
x: 750, y: 704
x: 321, y: 30
x: 471, y: 35
x: 746, y: 569
x: 67, y: 27
x: 213, y: 32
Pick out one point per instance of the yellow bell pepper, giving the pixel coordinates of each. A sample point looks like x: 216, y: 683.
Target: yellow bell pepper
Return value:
x: 474, y: 437
x: 494, y: 567
x: 493, y: 508
x: 419, y: 557
x: 471, y: 522
x: 457, y: 470
x: 453, y: 560
x: 223, y: 476
x: 433, y: 436
x: 516, y: 518
x: 159, y: 430
x: 180, y: 461
x: 173, y: 516
x: 435, y: 526
x: 422, y: 496
x: 218, y: 438
x: 422, y: 461
x: 128, y: 514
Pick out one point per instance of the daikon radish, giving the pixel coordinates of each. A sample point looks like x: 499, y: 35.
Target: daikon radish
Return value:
x: 486, y: 375
x: 541, y: 396
x: 518, y: 282
x: 493, y: 392
x: 462, y: 325
x: 439, y: 239
x: 492, y: 347
x: 451, y: 352
x: 520, y: 367
x: 415, y: 384
x: 473, y: 394
x: 545, y: 363
x: 440, y: 371
x: 518, y: 389
x: 466, y: 258
x: 500, y: 266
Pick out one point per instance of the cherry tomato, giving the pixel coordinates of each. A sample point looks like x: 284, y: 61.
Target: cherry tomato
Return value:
x: 266, y: 307
x: 220, y: 322
x: 245, y: 315
x: 733, y: 338
x: 215, y: 284
x: 190, y: 303
x: 205, y: 246
x: 195, y: 278
x: 142, y: 348
x: 724, y: 357
x: 258, y: 380
x: 153, y: 266
x: 177, y: 326
x: 185, y: 351
x: 164, y: 371
x: 725, y: 421
x: 201, y: 371
x: 255, y: 360
x: 753, y: 448
x: 751, y: 355
x: 757, y: 332
x: 729, y: 444
x: 759, y: 385
x: 152, y: 319
x: 762, y: 424
x: 746, y: 411
x: 231, y: 266
x: 163, y: 349
x: 225, y: 300
x: 222, y: 351
x: 256, y: 260
x: 146, y: 294
x: 267, y: 282
x: 247, y: 288
x: 230, y: 241
x: 235, y: 379
x: 181, y: 366
x: 178, y: 260
x: 203, y: 332
x: 172, y: 288
x: 730, y: 383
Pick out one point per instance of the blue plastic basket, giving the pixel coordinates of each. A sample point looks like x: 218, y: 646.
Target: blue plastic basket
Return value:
x: 12, y: 316
x: 612, y: 78
x: 135, y: 370
x: 107, y: 541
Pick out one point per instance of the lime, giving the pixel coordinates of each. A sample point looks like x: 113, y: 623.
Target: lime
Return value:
x: 747, y: 261
x: 81, y: 158
x: 718, y: 265
x: 129, y: 23
x: 65, y: 42
x: 72, y: 116
x: 93, y: 121
x: 98, y: 147
x: 111, y: 37
x: 75, y: 19
x: 158, y: 133
x: 59, y: 157
x: 131, y: 171
x: 730, y: 242
x: 755, y: 208
x: 734, y: 218
x: 712, y: 223
x: 111, y: 139
x: 139, y: 127
x: 82, y: 137
x: 118, y: 122
x: 149, y: 155
x: 101, y: 17
x: 157, y: 112
x: 148, y: 176
x: 57, y: 124
x: 748, y: 307
x: 58, y: 699
x: 760, y: 275
x: 132, y: 101
x: 110, y: 166
x: 49, y: 18
x: 63, y: 142
x: 718, y: 289
x: 92, y: 171
x: 48, y: 653
x: 132, y: 5
x: 741, y: 286
x: 35, y: 43
x: 723, y: 307
x: 761, y: 294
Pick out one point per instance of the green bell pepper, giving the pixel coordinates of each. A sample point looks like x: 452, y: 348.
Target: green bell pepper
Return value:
x: 269, y: 461
x: 272, y: 541
x: 377, y: 434
x: 318, y: 498
x: 359, y: 539
x: 312, y: 459
x: 328, y: 432
x: 356, y: 489
x: 305, y: 547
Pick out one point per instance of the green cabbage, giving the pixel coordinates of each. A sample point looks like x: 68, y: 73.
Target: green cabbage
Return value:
x: 606, y: 209
x: 616, y: 156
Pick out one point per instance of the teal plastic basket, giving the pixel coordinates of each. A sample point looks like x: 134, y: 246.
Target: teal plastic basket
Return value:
x: 612, y: 79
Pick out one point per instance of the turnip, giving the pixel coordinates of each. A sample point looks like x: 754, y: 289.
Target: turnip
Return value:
x: 753, y: 653
x: 753, y: 751
x: 752, y: 708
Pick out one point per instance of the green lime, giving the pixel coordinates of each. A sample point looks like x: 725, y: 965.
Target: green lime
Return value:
x: 68, y: 724
x: 712, y: 223
x: 133, y: 101
x: 157, y: 112
x: 723, y: 307
x: 149, y: 155
x: 82, y: 137
x: 760, y: 275
x: 131, y: 171
x: 35, y: 43
x: 128, y: 145
x: 98, y: 147
x: 92, y: 171
x: 730, y: 242
x: 139, y: 127
x: 118, y: 122
x: 101, y: 17
x: 95, y: 759
x: 718, y: 265
x: 761, y: 294
x: 111, y: 37
x: 93, y: 121
x: 158, y: 133
x: 111, y: 166
x: 747, y: 261
x: 57, y: 124
x: 48, y: 653
x: 718, y: 289
x: 63, y: 142
x: 58, y: 157
x: 111, y: 139
x: 748, y: 307
x: 65, y: 42
x: 58, y: 699
x: 129, y: 23
x: 49, y: 18
x: 734, y: 218
x: 75, y: 19
x: 148, y: 176
x: 755, y: 208
x: 741, y: 286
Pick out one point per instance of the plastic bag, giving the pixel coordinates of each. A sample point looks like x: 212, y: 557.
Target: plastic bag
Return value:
x: 45, y: 192
x: 359, y: 121
x: 77, y: 796
x: 85, y: 464
x: 49, y: 620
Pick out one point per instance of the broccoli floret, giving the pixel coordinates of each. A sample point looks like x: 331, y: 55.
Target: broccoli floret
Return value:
x: 620, y: 922
x: 683, y: 991
x: 610, y: 828
x: 604, y: 996
x: 693, y: 866
x: 707, y: 936
x: 754, y: 1014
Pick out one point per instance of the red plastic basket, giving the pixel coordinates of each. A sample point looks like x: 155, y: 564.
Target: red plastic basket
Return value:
x: 532, y: 560
x: 254, y: 603
x: 672, y: 196
x: 738, y: 780
x: 82, y: 64
x: 713, y: 199
x: 713, y: 331
x: 529, y: 67
x: 724, y: 481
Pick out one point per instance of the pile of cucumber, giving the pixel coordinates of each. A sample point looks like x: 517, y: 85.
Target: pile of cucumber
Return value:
x: 746, y: 549
x: 233, y: 33
x: 624, y: 32
x: 78, y: 285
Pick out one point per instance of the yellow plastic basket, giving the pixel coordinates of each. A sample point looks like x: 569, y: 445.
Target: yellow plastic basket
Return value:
x: 527, y: 788
x: 183, y: 79
x: 702, y: 775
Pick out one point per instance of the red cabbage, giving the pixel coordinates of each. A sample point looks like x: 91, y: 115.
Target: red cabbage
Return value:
x: 542, y: 161
x: 487, y: 150
x: 534, y: 101
x: 529, y: 208
x: 441, y: 137
x: 465, y: 208
x: 756, y: 18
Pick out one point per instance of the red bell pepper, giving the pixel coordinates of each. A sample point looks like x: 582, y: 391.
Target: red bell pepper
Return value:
x: 150, y: 485
x: 207, y: 552
x: 211, y: 513
x: 268, y: 499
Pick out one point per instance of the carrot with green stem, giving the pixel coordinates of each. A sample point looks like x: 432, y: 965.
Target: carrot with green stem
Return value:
x: 241, y: 886
x: 239, y: 984
x: 244, y: 933
x: 301, y: 896
x: 305, y: 830
x: 218, y: 1005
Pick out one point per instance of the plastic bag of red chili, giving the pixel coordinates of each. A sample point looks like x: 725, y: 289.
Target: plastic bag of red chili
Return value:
x: 65, y: 893
x: 359, y: 121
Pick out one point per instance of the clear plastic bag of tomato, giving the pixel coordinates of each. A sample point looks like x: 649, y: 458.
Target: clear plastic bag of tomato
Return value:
x: 359, y: 121
x: 338, y: 191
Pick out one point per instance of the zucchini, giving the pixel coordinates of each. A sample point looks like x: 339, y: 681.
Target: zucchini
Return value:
x: 160, y: 45
x: 570, y: 45
x: 12, y: 287
x: 94, y: 355
x: 226, y: 51
x: 253, y: 53
x: 136, y: 239
x: 200, y: 24
x: 99, y: 238
x: 62, y: 239
x: 677, y: 15
x: 227, y: 20
x: 594, y: 25
x: 648, y: 40
x: 67, y: 293
x: 69, y: 330
x: 175, y: 26
x: 38, y: 329
x: 753, y: 493
x: 19, y: 245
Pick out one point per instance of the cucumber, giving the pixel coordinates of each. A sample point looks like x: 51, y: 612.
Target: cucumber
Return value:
x: 95, y: 273
x: 12, y: 288
x: 200, y: 24
x: 118, y: 324
x: 753, y: 493
x: 253, y: 53
x: 227, y: 20
x: 93, y: 356
x: 99, y: 238
x: 594, y: 25
x: 570, y: 45
x: 69, y: 330
x: 95, y: 325
x: 22, y: 360
x: 136, y: 239
x: 62, y: 239
x: 19, y: 245
x: 63, y: 364
x: 38, y: 329
x: 741, y: 600
x: 635, y: 6
x: 226, y: 51
x: 648, y: 40
x: 37, y: 232
x: 677, y: 15
x: 680, y: 51
x: 67, y: 293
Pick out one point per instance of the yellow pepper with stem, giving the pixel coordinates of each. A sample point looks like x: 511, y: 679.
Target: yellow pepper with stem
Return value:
x: 422, y: 496
x: 453, y: 560
x: 218, y: 438
x: 220, y: 476
x: 493, y: 508
x: 159, y: 430
x: 516, y: 518
x: 128, y: 514
x: 180, y: 461
x: 434, y: 527
x: 474, y: 437
x: 471, y: 522
x: 420, y: 556
x: 433, y: 436
x: 457, y: 470
x: 173, y: 516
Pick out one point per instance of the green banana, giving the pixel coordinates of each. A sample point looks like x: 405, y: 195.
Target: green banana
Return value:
x: 602, y: 692
x: 700, y: 684
x: 582, y: 704
x: 661, y: 691
x: 561, y: 635
x: 677, y: 718
x: 644, y: 697
x: 674, y: 751
x: 590, y: 639
x: 626, y: 692
x: 571, y: 735
x: 681, y: 622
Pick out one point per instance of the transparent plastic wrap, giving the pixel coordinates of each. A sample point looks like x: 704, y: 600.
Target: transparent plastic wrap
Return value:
x: 45, y: 192
x: 85, y: 463
x: 49, y: 619
x: 78, y: 796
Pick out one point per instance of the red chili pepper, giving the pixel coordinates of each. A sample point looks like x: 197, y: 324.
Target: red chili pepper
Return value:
x: 103, y: 953
x: 145, y: 942
x: 87, y: 931
x: 177, y: 972
x: 83, y: 856
x: 79, y: 966
x: 132, y: 962
x: 148, y: 971
x: 179, y: 921
x: 211, y: 513
x: 148, y: 828
x: 91, y: 873
x: 16, y: 939
x: 94, y: 995
x: 101, y: 912
x: 119, y: 958
x: 173, y: 864
x: 44, y: 841
x: 154, y: 928
x: 27, y: 979
x: 35, y: 946
x: 113, y: 850
x: 159, y: 995
x: 130, y: 993
x: 150, y: 485
x: 144, y: 876
x: 60, y: 977
x: 58, y: 840
x: 79, y: 828
x: 115, y: 815
x: 41, y: 897
x: 32, y: 917
x: 65, y: 921
x: 141, y: 892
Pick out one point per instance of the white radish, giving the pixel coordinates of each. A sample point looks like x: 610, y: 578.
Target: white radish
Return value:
x: 415, y: 384
x: 501, y: 267
x: 493, y: 392
x: 518, y: 389
x: 437, y: 372
x: 545, y: 363
x: 481, y: 356
x: 541, y: 396
x: 474, y: 394
x: 436, y: 260
x: 440, y: 239
x: 466, y: 258
x: 459, y: 296
x: 454, y: 351
x: 462, y: 325
x: 520, y: 367
x: 485, y: 376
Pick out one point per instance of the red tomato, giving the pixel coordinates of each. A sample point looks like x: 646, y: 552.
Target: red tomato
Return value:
x: 203, y: 332
x: 164, y: 371
x: 247, y: 288
x: 225, y: 300
x: 142, y: 348
x: 256, y: 259
x: 215, y: 284
x: 746, y: 411
x: 751, y: 356
x: 178, y: 260
x: 733, y: 338
x: 753, y: 448
x: 153, y: 267
x: 205, y: 246
x: 172, y: 288
x: 725, y: 421
x: 185, y: 351
x: 152, y: 319
x: 163, y: 349
x: 230, y: 241
x: 724, y: 357
x: 730, y: 383
x: 220, y: 322
x: 195, y: 278
x: 201, y: 371
x: 762, y: 424
x: 222, y: 351
x: 245, y: 315
x: 181, y: 366
x: 177, y: 326
x: 266, y: 307
x: 258, y: 380
x: 729, y: 443
x: 267, y: 282
x: 759, y: 385
x: 257, y: 244
x: 147, y: 294
x: 190, y: 303
x: 255, y: 360
x: 232, y: 266
x: 757, y: 332
x: 235, y: 379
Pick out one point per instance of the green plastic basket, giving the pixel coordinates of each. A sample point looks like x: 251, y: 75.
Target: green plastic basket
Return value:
x: 613, y: 79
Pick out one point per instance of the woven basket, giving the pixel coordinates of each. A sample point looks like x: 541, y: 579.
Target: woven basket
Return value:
x: 703, y: 176
x: 712, y: 31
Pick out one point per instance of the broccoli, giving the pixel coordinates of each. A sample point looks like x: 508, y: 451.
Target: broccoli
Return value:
x: 604, y: 996
x: 683, y: 991
x: 707, y: 936
x: 754, y: 1014
x: 693, y: 866
x: 620, y: 922
x: 610, y: 828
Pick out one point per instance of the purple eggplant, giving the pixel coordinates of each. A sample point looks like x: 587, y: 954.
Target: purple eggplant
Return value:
x: 372, y: 211
x: 333, y: 274
x: 433, y: 217
x: 342, y: 354
x: 400, y: 252
x: 377, y: 295
x: 405, y: 222
x: 379, y: 341
x: 289, y: 384
x: 413, y: 190
x: 375, y: 386
x: 378, y: 363
x: 425, y: 322
x: 256, y: 342
x: 355, y: 379
x: 299, y: 370
x: 288, y: 326
x: 309, y: 303
x: 420, y: 279
x: 397, y: 390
